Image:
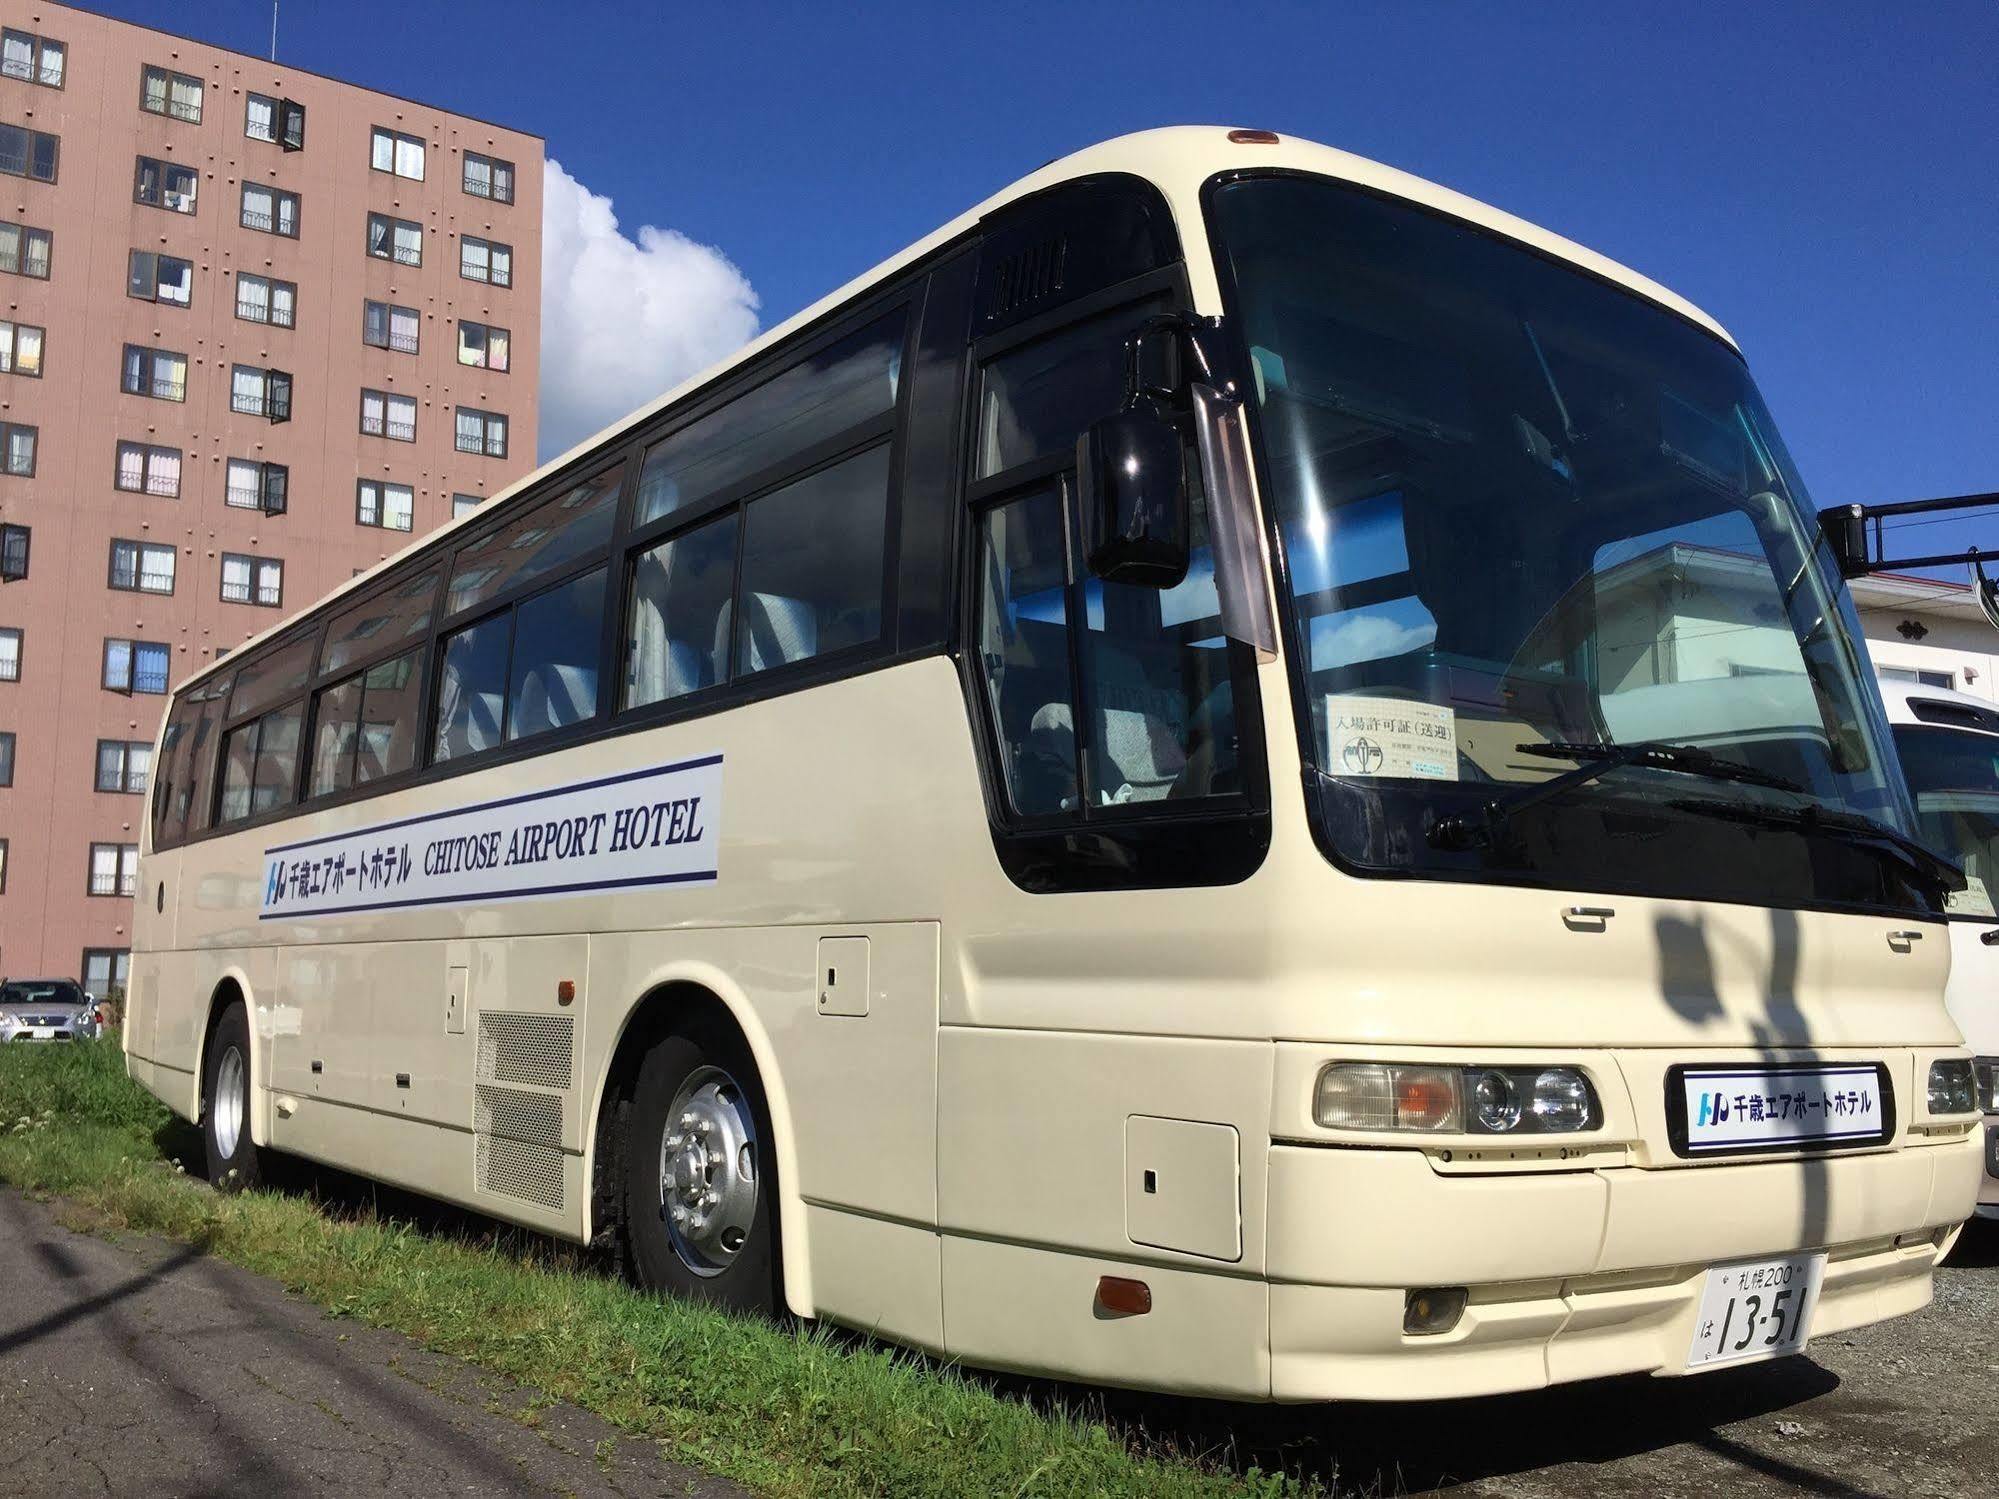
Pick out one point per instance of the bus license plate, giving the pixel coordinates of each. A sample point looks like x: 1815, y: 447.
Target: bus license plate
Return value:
x: 1759, y: 1309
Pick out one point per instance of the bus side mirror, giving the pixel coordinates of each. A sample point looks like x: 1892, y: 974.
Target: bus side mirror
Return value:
x: 1845, y: 528
x: 1132, y: 491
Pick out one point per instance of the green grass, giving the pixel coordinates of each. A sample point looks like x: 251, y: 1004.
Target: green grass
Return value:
x: 782, y: 1411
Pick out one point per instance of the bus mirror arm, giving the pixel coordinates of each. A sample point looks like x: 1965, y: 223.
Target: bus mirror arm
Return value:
x: 1134, y: 502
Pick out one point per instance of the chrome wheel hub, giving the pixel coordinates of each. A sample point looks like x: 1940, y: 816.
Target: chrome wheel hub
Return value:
x: 229, y: 1102
x: 708, y: 1171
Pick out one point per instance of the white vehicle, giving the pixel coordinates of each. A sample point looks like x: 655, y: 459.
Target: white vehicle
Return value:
x: 1074, y: 806
x: 1949, y: 744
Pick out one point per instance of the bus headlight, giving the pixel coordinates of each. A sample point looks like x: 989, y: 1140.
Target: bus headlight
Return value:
x: 1452, y: 1100
x: 1987, y: 1069
x: 1951, y: 1087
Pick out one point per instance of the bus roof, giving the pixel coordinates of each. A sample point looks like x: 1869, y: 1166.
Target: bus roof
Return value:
x: 1178, y: 160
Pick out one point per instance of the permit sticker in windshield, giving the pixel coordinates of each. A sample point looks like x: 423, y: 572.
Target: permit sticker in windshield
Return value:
x: 1973, y: 900
x: 1387, y: 736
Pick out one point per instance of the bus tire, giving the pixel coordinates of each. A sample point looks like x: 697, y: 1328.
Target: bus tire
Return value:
x: 234, y: 1162
x: 700, y: 1188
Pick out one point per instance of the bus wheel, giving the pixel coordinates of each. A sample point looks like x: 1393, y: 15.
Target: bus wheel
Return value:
x: 700, y: 1198
x: 225, y: 1115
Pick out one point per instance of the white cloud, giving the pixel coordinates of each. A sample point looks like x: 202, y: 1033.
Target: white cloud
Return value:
x: 1360, y: 636
x: 623, y: 321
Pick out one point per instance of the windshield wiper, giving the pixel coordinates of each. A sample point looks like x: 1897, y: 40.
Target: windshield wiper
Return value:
x: 1599, y: 757
x: 1928, y: 866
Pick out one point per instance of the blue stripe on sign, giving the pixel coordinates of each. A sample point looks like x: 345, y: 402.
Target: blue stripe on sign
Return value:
x: 505, y: 801
x: 485, y: 895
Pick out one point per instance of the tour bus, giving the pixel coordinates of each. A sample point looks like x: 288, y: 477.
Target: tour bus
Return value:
x: 1949, y: 746
x: 1141, y: 794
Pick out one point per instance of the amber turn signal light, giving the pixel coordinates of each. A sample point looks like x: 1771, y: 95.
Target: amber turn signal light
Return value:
x: 1124, y: 1298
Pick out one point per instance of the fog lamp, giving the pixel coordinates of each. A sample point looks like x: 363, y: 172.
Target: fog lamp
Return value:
x: 1951, y: 1087
x: 1431, y: 1310
x: 1378, y: 1095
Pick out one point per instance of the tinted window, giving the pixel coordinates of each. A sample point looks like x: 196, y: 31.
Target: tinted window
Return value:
x: 558, y: 637
x: 366, y: 726
x: 187, y: 762
x: 812, y: 564
x: 1024, y: 643
x: 387, y: 619
x: 472, y: 688
x: 842, y: 385
x: 680, y: 613
x: 1036, y: 399
x: 260, y: 764
x: 272, y: 675
x: 542, y: 540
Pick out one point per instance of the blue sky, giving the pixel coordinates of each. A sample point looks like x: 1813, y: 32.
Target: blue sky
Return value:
x: 1818, y: 176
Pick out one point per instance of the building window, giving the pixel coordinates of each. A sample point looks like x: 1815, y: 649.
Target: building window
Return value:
x: 17, y: 449
x: 165, y: 184
x: 260, y: 299
x: 142, y: 566
x: 122, y: 765
x: 387, y: 506
x: 3, y: 866
x: 465, y: 504
x: 252, y: 580
x: 105, y: 971
x: 28, y: 153
x: 489, y: 177
x: 21, y: 349
x: 392, y: 151
x: 7, y: 758
x: 255, y: 392
x: 14, y: 552
x: 482, y: 432
x: 35, y: 58
x: 387, y: 326
x: 386, y: 415
x: 25, y: 251
x: 486, y: 260
x: 257, y: 486
x: 156, y: 373
x: 152, y: 277
x: 145, y: 469
x: 10, y: 655
x: 163, y: 92
x: 395, y: 239
x: 270, y: 210
x: 482, y: 346
x: 136, y: 666
x: 114, y: 868
x: 279, y: 121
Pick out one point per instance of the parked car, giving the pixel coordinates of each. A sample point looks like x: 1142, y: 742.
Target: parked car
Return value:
x: 47, y: 1010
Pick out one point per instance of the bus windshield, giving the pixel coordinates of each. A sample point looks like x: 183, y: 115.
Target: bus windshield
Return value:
x: 1525, y: 518
x: 1954, y: 777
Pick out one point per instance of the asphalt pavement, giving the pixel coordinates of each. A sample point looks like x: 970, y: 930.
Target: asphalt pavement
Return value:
x: 142, y: 1367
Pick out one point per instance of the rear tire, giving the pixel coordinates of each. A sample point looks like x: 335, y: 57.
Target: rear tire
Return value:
x: 700, y: 1179
x: 234, y: 1163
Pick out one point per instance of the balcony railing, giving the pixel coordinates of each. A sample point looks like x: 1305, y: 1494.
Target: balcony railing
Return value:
x: 258, y: 221
x: 163, y: 484
x: 159, y: 387
x: 402, y: 343
x: 151, y: 580
x: 409, y: 254
x: 106, y: 884
x: 249, y: 405
x: 253, y: 312
x: 244, y: 496
x: 402, y: 431
x: 149, y: 679
x: 235, y: 593
x: 181, y: 109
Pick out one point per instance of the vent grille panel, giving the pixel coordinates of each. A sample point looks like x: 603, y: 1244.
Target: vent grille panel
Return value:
x: 513, y: 1168
x: 535, y: 1118
x: 533, y: 1049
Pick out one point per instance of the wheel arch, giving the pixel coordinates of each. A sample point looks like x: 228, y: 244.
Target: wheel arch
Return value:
x: 233, y: 987
x: 674, y: 992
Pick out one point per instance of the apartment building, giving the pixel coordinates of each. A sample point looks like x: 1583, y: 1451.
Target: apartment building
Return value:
x: 258, y: 329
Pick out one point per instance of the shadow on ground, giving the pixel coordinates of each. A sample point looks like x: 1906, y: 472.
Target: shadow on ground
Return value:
x: 1368, y: 1449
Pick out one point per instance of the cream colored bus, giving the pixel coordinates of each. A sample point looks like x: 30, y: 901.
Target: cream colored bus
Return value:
x: 1150, y: 792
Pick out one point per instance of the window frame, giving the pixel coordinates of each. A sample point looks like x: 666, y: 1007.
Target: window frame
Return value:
x: 13, y: 659
x: 13, y: 329
x: 489, y: 246
x: 31, y: 144
x: 139, y: 164
x: 125, y: 866
x: 125, y: 750
x: 149, y: 379
x: 38, y: 72
x: 396, y: 140
x: 280, y: 198
x: 24, y: 237
x: 256, y: 561
x: 382, y: 488
x: 148, y: 452
x: 140, y: 547
x: 153, y: 261
x: 485, y: 359
x: 169, y: 77
x: 132, y: 687
x: 390, y: 254
x: 493, y: 165
x: 272, y: 285
x: 11, y: 532
x: 10, y: 750
x: 388, y: 338
x: 486, y: 420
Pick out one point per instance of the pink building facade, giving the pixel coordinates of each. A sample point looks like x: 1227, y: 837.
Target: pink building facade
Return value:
x: 258, y: 330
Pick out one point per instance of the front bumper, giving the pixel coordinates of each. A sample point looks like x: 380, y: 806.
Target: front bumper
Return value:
x: 1574, y: 1275
x: 68, y: 1030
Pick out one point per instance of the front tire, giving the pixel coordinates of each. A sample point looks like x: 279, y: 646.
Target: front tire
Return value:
x: 700, y: 1181
x: 234, y: 1163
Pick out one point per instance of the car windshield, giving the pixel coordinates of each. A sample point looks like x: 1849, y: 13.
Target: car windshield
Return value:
x: 1519, y: 509
x: 1954, y: 777
x: 30, y: 993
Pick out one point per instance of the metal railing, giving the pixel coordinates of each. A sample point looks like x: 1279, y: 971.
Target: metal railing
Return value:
x: 402, y: 343
x: 254, y: 220
x: 244, y: 497
x: 402, y: 431
x: 163, y: 484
